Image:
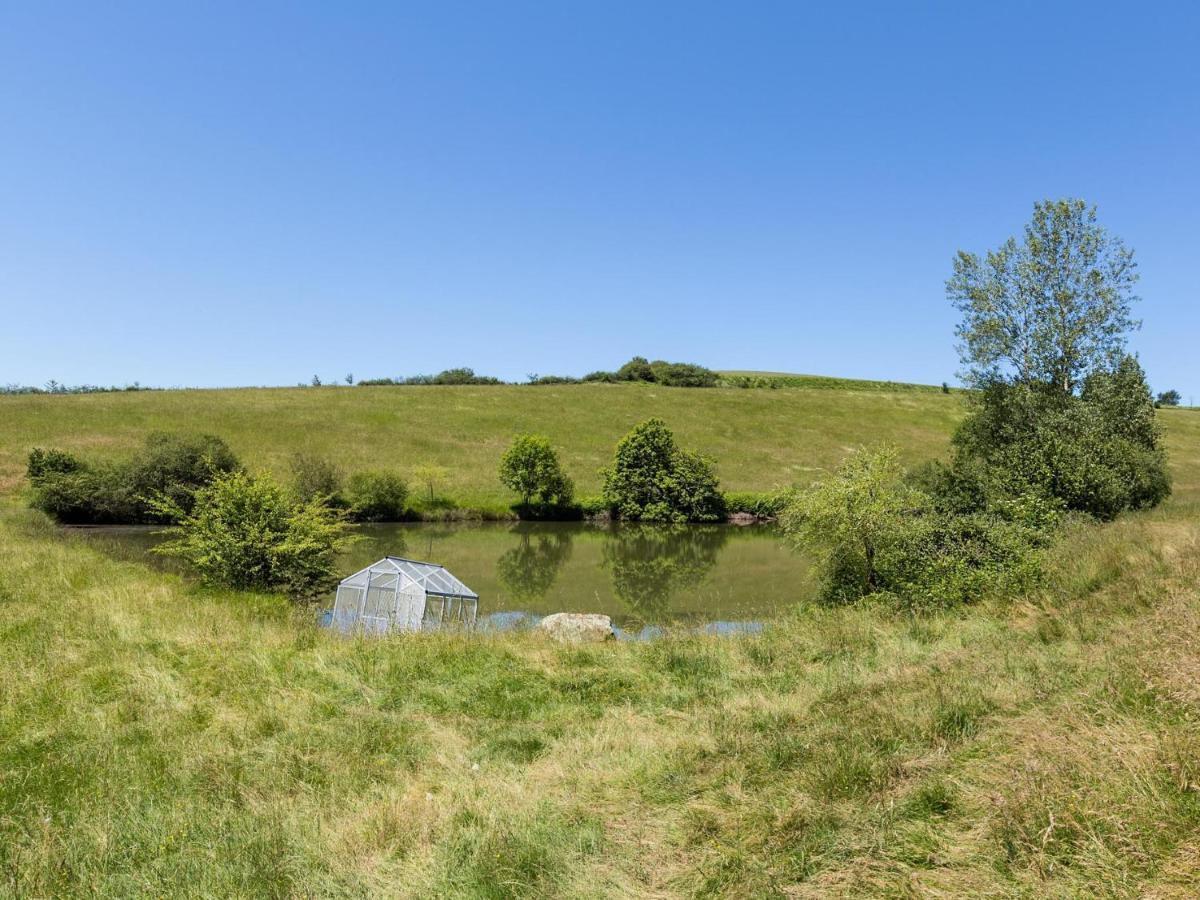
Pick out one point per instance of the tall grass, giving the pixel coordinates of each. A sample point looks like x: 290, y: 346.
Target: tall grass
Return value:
x: 161, y: 739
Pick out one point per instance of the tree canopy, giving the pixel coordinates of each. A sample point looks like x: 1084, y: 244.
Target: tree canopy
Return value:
x: 1051, y: 308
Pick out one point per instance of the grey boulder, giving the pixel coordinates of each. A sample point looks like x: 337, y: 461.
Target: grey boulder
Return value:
x: 577, y: 628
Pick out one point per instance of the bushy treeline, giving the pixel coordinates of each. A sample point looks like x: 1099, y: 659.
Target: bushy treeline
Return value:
x: 448, y: 376
x: 158, y: 483
x: 54, y: 387
x: 638, y: 369
x: 168, y: 466
x: 667, y: 374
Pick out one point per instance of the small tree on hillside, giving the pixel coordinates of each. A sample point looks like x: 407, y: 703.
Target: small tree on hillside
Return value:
x: 652, y: 479
x: 531, y: 468
x: 1168, y: 398
x: 431, y: 476
x: 1050, y: 309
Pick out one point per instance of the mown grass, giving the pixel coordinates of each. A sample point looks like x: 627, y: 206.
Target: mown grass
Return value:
x: 161, y: 739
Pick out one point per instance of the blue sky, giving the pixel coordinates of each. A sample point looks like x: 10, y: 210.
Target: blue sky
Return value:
x: 227, y: 194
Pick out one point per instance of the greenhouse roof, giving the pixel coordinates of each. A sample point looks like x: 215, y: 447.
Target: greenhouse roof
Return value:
x: 435, y: 579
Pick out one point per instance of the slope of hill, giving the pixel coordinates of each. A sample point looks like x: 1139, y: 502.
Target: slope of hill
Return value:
x: 760, y: 438
x: 159, y: 738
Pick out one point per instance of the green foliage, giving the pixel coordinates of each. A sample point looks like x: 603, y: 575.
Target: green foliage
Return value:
x: 1168, y: 398
x: 248, y: 532
x: 530, y: 467
x: 1099, y: 453
x: 377, y: 496
x: 661, y: 372
x: 170, y: 466
x: 51, y: 462
x: 462, y: 376
x: 1051, y: 309
x: 637, y: 369
x: 683, y: 375
x: 653, y: 480
x: 316, y: 478
x: 876, y: 534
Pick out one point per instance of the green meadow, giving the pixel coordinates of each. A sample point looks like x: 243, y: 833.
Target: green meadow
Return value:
x: 162, y: 739
x: 760, y: 438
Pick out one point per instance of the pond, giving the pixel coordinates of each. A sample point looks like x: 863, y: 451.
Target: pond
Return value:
x: 718, y: 577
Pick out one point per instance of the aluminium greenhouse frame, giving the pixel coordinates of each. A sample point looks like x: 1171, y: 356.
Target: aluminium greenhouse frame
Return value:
x: 399, y: 594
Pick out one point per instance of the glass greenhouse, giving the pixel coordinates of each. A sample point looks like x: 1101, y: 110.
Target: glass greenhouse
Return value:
x: 397, y: 594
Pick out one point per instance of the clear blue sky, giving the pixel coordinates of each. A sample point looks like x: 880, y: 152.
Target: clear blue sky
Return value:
x: 250, y: 193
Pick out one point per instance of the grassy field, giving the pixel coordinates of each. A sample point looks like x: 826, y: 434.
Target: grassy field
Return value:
x: 157, y: 739
x: 760, y: 438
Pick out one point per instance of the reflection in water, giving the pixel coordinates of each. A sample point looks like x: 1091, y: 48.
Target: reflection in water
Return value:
x: 528, y: 569
x: 643, y: 576
x: 650, y: 564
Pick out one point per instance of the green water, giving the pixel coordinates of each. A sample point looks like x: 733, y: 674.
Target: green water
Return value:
x: 719, y: 576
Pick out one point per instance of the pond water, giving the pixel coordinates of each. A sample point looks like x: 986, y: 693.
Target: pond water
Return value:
x: 719, y: 577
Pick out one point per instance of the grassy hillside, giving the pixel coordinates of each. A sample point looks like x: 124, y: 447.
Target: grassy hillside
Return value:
x: 760, y: 438
x: 160, y: 739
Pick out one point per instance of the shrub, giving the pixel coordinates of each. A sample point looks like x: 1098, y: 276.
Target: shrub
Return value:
x: 316, y: 478
x: 682, y: 375
x: 606, y: 377
x: 87, y: 495
x: 174, y: 466
x: 52, y: 461
x: 169, y: 465
x: 552, y: 379
x: 1168, y: 398
x: 637, y: 369
x: 248, y: 532
x: 653, y: 480
x: 1097, y: 453
x: 531, y: 468
x: 661, y: 372
x: 875, y: 534
x: 463, y: 376
x: 377, y: 496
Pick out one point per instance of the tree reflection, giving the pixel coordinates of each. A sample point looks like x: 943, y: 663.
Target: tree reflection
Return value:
x: 650, y: 563
x: 528, y: 570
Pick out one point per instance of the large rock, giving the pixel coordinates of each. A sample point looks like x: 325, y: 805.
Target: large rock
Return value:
x: 578, y: 628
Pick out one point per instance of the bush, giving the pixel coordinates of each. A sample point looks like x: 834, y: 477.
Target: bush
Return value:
x: 463, y: 376
x: 653, y: 480
x: 248, y: 532
x: 1098, y: 453
x: 682, y: 375
x: 377, y: 496
x: 875, y: 534
x: 637, y: 369
x: 174, y: 466
x: 552, y: 379
x: 168, y: 466
x: 88, y: 495
x: 661, y: 372
x: 1168, y: 398
x: 605, y: 377
x: 531, y: 468
x: 316, y: 478
x: 52, y: 461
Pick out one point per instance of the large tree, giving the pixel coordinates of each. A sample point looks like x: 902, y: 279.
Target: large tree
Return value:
x: 1050, y: 309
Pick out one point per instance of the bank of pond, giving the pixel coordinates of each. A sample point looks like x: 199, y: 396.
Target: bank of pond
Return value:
x: 646, y: 578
